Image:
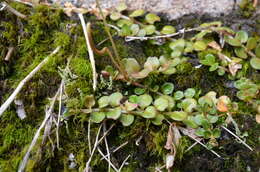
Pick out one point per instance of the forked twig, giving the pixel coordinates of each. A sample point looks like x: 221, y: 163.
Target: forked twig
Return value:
x: 22, y: 83
x: 244, y: 143
x: 104, y: 157
x: 119, y: 147
x: 90, y: 51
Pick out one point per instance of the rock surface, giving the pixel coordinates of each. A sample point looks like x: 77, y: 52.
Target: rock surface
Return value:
x: 171, y: 8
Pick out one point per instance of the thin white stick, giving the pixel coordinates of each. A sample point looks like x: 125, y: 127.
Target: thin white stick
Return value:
x: 93, y: 151
x: 119, y: 147
x: 244, y: 143
x: 90, y: 51
x: 59, y: 114
x: 106, y: 143
x: 37, y: 134
x: 189, y: 148
x: 124, y: 162
x: 26, y: 79
x: 112, y: 165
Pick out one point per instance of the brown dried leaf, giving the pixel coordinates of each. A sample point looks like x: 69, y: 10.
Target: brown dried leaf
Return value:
x: 214, y: 45
x: 233, y: 68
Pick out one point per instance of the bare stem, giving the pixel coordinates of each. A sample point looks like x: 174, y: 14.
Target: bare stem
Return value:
x: 12, y: 10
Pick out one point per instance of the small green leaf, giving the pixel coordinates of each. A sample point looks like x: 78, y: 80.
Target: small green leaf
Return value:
x: 190, y: 122
x: 189, y: 104
x: 130, y: 106
x: 137, y: 13
x: 150, y: 112
x: 123, y: 22
x: 212, y: 118
x: 131, y: 65
x: 161, y: 103
x: 178, y: 45
x: 232, y: 41
x: 97, y: 117
x: 242, y: 36
x: 209, y: 60
x: 151, y: 18
x: 144, y: 100
x: 115, y: 15
x: 115, y: 98
x: 149, y: 29
x: 176, y: 53
x: 177, y: 115
x: 121, y: 7
x: 141, y: 33
x: 167, y: 88
x: 158, y: 119
x: 241, y: 52
x: 125, y: 30
x: 190, y: 92
x: 114, y: 114
x: 213, y: 67
x: 178, y: 95
x: 152, y: 63
x: 134, y: 99
x: 216, y: 133
x: 199, y: 46
x: 126, y: 119
x: 135, y: 29
x: 200, y: 132
x: 103, y: 101
x: 221, y: 72
x: 251, y: 43
x: 171, y: 102
x: 199, y: 119
x: 139, y: 91
x: 255, y: 63
x: 168, y: 30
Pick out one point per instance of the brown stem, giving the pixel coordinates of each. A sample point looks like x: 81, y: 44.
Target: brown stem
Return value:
x: 9, y: 53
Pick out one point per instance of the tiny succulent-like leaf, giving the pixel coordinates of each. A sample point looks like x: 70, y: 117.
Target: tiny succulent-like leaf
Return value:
x: 178, y: 95
x: 255, y: 63
x: 177, y: 115
x: 190, y: 92
x: 123, y: 22
x: 145, y: 100
x: 97, y: 117
x: 141, y: 33
x: 152, y: 63
x: 216, y: 133
x: 131, y: 65
x: 134, y: 99
x: 158, y: 119
x: 115, y: 15
x: 126, y: 119
x: 232, y: 41
x: 177, y: 45
x: 135, y: 29
x: 142, y: 74
x: 103, y: 101
x: 167, y: 88
x: 200, y: 132
x: 130, y: 106
x: 161, y: 103
x: 171, y: 102
x: 189, y: 104
x: 257, y: 51
x: 221, y: 71
x: 151, y: 18
x: 242, y: 36
x: 199, y: 119
x: 214, y: 67
x: 150, y: 112
x: 243, y: 83
x: 212, y: 118
x: 209, y: 60
x: 176, y: 53
x: 199, y: 46
x: 115, y: 98
x: 125, y: 30
x: 114, y: 114
x: 190, y: 122
x: 251, y: 43
x: 222, y: 104
x: 168, y: 30
x: 121, y: 7
x: 241, y: 52
x: 139, y: 91
x: 149, y: 29
x: 137, y: 13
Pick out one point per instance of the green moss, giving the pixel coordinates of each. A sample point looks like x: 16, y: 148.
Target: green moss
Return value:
x: 247, y: 8
x: 81, y: 67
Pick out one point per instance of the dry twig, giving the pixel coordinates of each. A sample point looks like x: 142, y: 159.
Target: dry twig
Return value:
x: 12, y: 10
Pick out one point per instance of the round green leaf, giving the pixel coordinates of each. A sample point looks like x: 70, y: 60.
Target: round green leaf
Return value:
x: 141, y: 33
x: 126, y: 119
x: 190, y: 122
x: 131, y: 65
x: 178, y: 95
x: 251, y: 43
x: 158, y: 119
x: 178, y: 45
x: 241, y: 52
x: 97, y: 117
x: 232, y: 41
x: 149, y: 29
x: 150, y: 112
x: 121, y: 7
x: 135, y: 29
x: 139, y: 91
x: 161, y: 103
x: 123, y: 22
x: 125, y: 30
x: 257, y: 51
x: 199, y: 46
x: 151, y: 18
x: 190, y: 92
x: 176, y: 53
x: 114, y: 114
x: 200, y: 132
x: 115, y: 15
x: 213, y: 67
x: 103, y: 101
x: 171, y: 102
x: 198, y: 119
x: 255, y: 63
x: 144, y: 100
x: 115, y: 98
x: 209, y: 60
x: 216, y: 133
x: 167, y: 88
x: 189, y: 104
x: 152, y: 63
x: 177, y: 115
x: 137, y: 13
x: 130, y: 106
x: 221, y: 72
x: 134, y: 99
x: 168, y: 30
x: 212, y: 118
x: 242, y: 36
